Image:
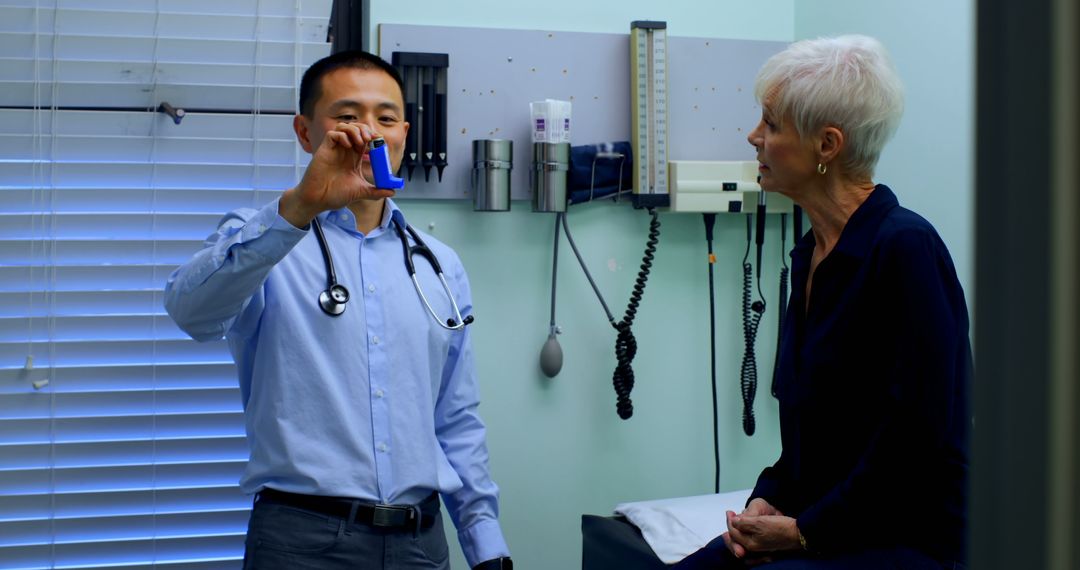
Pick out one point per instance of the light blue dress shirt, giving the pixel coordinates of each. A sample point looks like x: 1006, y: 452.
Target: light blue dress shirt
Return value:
x: 379, y: 403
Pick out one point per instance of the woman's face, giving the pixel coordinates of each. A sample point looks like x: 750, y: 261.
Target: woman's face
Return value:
x: 787, y: 163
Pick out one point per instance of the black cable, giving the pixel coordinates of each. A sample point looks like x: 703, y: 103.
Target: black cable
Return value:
x: 625, y: 343
x: 710, y: 220
x: 573, y: 245
x: 331, y: 275
x: 784, y: 271
x: 554, y: 270
x: 751, y: 313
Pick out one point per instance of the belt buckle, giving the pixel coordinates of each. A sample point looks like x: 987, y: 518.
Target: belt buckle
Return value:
x: 391, y: 515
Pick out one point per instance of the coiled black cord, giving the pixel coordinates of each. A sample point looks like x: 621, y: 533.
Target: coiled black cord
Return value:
x: 625, y: 343
x: 784, y: 272
x: 751, y: 313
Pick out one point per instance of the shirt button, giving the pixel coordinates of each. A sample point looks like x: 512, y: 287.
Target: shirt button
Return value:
x: 262, y: 228
x: 382, y: 447
x: 375, y: 339
x: 371, y: 288
x: 378, y: 393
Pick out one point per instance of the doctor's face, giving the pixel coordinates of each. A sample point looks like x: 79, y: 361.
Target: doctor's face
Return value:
x: 369, y: 98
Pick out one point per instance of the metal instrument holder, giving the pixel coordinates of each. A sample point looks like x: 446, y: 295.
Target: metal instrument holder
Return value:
x: 425, y: 80
x: 493, y: 159
x: 551, y: 165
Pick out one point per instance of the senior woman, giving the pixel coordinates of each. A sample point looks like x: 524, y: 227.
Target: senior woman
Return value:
x: 875, y: 362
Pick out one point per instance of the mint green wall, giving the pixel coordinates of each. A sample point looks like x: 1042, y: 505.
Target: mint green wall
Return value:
x: 930, y: 163
x: 558, y: 449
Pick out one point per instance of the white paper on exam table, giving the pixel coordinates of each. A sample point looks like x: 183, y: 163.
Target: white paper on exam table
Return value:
x: 676, y: 528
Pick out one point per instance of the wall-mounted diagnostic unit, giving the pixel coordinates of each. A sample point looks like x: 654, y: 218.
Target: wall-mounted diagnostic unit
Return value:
x: 719, y: 186
x: 649, y: 87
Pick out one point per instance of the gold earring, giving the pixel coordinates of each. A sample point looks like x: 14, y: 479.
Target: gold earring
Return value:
x: 821, y: 168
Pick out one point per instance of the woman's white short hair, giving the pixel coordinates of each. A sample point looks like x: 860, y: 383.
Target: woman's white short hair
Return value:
x: 848, y: 82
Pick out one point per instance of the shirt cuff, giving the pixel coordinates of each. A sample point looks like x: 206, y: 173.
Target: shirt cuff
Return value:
x: 483, y: 541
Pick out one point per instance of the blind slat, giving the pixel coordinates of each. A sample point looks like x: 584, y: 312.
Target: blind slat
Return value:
x: 88, y: 226
x: 69, y: 505
x: 126, y: 376
x: 84, y: 277
x: 145, y: 74
x: 99, y: 479
x: 220, y: 424
x: 195, y: 96
x: 104, y: 252
x: 132, y: 123
x: 77, y: 47
x: 84, y: 353
x: 309, y: 8
x: 128, y: 23
x: 123, y: 528
x: 118, y: 200
x: 130, y: 175
x: 100, y: 404
x: 196, y: 553
x: 70, y: 148
x: 33, y: 279
x: 81, y: 328
x: 112, y: 453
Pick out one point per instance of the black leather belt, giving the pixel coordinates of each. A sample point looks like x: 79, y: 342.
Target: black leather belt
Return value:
x: 391, y: 517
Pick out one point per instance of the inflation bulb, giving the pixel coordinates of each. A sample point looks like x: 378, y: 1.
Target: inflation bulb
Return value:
x: 551, y: 356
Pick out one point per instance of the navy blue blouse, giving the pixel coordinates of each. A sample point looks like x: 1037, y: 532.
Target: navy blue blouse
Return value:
x: 873, y: 384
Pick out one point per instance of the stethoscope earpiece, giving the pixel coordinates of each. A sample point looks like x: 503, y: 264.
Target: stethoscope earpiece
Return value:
x: 333, y: 300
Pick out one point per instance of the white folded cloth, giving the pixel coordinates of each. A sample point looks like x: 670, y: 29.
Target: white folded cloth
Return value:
x: 676, y: 528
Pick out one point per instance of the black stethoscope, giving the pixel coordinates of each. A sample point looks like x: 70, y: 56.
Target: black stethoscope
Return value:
x: 333, y: 299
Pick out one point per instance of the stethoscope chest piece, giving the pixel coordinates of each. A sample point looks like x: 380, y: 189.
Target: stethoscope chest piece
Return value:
x: 333, y: 300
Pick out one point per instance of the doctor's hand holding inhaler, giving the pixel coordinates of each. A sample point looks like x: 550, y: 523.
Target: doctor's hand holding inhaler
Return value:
x: 354, y: 145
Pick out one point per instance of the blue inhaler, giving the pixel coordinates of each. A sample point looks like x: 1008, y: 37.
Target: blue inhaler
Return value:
x: 380, y: 166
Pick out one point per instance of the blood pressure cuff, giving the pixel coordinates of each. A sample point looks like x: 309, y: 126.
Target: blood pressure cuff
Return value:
x: 607, y: 170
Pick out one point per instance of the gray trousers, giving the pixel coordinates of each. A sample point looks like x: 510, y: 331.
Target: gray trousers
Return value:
x: 282, y: 537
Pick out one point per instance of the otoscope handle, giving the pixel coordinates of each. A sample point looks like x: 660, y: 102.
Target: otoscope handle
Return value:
x: 380, y: 166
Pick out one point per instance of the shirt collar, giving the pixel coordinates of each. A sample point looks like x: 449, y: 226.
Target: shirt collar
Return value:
x: 857, y: 237
x: 346, y: 220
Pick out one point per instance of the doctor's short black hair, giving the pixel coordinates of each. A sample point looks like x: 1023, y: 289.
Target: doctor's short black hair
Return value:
x: 311, y: 84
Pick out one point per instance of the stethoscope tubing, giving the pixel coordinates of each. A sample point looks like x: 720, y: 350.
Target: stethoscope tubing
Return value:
x: 333, y: 299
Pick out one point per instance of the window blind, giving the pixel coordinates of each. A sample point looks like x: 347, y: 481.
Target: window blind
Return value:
x: 121, y: 440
